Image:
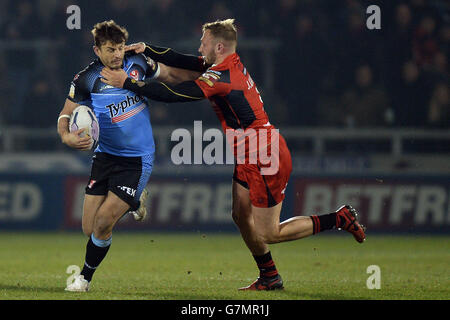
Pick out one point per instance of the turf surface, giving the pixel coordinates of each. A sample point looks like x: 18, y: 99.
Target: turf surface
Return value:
x: 195, y: 266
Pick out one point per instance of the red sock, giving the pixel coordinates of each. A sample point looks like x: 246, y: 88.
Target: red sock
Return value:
x: 266, y: 266
x: 323, y: 222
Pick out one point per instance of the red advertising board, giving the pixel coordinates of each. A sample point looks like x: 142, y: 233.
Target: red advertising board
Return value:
x: 173, y: 204
x: 388, y: 204
x: 383, y: 204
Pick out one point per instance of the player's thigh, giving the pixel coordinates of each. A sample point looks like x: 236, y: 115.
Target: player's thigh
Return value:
x: 267, y: 221
x: 90, y: 207
x: 96, y: 190
x: 110, y: 211
x: 241, y: 205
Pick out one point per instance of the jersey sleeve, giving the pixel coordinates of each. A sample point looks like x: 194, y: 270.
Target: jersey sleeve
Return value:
x: 79, y: 91
x: 152, y: 71
x: 210, y: 83
x: 147, y: 64
x: 183, y: 92
x: 172, y: 58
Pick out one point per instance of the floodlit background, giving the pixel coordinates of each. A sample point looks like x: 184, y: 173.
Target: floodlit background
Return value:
x: 365, y: 113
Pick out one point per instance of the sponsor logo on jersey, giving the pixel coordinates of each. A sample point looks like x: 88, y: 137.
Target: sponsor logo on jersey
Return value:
x: 210, y: 77
x: 215, y: 71
x: 118, y: 112
x: 134, y: 74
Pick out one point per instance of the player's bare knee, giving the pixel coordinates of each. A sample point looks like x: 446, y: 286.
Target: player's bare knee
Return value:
x: 102, y: 231
x: 102, y: 224
x: 270, y: 237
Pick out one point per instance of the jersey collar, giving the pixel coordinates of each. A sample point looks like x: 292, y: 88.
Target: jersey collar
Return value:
x: 232, y: 57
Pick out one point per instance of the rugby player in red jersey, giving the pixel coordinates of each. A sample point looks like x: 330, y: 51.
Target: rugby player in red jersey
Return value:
x: 257, y: 192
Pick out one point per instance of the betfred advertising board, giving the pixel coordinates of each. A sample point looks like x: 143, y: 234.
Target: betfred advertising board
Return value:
x: 174, y: 204
x: 404, y: 203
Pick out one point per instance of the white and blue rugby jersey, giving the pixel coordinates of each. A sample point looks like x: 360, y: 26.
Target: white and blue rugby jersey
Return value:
x: 124, y: 117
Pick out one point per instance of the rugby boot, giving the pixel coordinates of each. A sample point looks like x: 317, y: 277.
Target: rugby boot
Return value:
x: 78, y: 285
x: 141, y: 212
x: 347, y: 219
x: 275, y: 283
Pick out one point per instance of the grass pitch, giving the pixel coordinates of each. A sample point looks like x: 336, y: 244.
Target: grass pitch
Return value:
x: 198, y: 266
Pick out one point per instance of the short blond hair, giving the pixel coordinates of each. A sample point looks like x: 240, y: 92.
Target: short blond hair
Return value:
x: 223, y: 29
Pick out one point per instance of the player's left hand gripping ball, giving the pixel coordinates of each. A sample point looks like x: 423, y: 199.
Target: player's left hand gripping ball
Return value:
x: 115, y: 78
x: 84, y: 118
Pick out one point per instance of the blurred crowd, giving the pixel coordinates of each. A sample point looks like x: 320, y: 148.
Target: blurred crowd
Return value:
x: 329, y: 69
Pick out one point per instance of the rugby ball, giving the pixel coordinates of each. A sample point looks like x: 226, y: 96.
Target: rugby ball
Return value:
x: 83, y: 117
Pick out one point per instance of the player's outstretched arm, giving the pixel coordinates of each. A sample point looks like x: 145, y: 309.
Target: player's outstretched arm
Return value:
x: 170, y: 57
x: 186, y: 91
x: 72, y: 139
x: 173, y: 76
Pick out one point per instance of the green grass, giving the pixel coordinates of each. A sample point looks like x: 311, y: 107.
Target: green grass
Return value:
x: 195, y: 266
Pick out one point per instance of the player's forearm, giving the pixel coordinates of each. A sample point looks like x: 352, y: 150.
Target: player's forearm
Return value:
x: 63, y: 125
x: 64, y: 117
x: 172, y: 58
x: 174, y: 76
x: 184, y: 92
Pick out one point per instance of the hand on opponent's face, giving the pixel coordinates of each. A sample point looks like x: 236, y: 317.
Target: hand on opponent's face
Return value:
x: 115, y: 78
x: 136, y: 47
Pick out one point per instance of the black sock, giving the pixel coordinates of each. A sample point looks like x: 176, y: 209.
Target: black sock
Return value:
x: 266, y: 266
x: 94, y: 256
x: 323, y: 222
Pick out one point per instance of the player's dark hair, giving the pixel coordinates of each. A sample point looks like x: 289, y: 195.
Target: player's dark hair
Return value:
x: 224, y: 29
x: 109, y: 31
